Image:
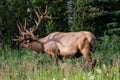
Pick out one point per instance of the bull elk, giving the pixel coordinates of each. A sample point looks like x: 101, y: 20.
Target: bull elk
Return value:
x: 56, y: 44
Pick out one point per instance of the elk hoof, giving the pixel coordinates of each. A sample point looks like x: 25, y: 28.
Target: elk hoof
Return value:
x: 90, y: 64
x: 93, y: 63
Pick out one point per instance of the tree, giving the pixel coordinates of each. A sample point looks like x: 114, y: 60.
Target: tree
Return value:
x: 98, y: 16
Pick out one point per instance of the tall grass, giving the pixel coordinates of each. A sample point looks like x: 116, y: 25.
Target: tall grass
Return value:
x: 26, y: 64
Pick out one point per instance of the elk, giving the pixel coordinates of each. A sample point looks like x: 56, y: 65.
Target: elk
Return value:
x: 56, y: 44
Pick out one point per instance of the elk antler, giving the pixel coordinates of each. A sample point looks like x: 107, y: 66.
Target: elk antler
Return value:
x: 40, y: 16
x: 24, y: 33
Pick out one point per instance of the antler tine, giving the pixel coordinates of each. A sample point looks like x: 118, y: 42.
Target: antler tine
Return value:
x: 45, y: 10
x: 40, y: 16
x: 25, y: 24
x: 49, y: 17
x: 22, y: 31
x: 37, y: 14
x: 19, y: 28
x: 39, y: 11
x: 44, y: 14
x: 33, y: 29
x: 18, y: 39
x: 36, y: 25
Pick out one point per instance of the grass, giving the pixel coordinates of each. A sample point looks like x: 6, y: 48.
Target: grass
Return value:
x: 25, y: 64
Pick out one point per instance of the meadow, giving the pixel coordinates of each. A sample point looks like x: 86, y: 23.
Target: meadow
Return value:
x: 25, y: 64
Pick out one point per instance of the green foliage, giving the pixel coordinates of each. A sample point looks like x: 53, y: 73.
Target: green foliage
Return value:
x: 107, y: 49
x: 109, y: 44
x: 98, y: 16
x: 10, y: 11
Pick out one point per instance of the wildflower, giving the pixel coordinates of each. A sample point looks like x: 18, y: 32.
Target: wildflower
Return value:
x: 99, y: 71
x: 53, y: 79
x: 91, y: 77
x: 104, y: 66
x: 88, y: 76
x: 64, y: 78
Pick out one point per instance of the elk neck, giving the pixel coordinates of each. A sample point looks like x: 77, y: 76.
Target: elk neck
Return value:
x: 36, y: 46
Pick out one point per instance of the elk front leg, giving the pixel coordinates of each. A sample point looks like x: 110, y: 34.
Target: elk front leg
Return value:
x: 55, y: 60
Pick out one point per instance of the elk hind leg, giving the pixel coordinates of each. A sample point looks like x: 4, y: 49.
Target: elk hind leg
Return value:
x: 86, y: 53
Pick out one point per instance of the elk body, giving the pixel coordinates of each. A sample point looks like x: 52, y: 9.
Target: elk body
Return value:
x: 56, y: 44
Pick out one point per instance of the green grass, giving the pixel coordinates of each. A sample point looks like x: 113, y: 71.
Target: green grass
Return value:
x: 26, y: 64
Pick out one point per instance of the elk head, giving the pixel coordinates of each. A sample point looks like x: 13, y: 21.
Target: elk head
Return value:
x: 26, y: 36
